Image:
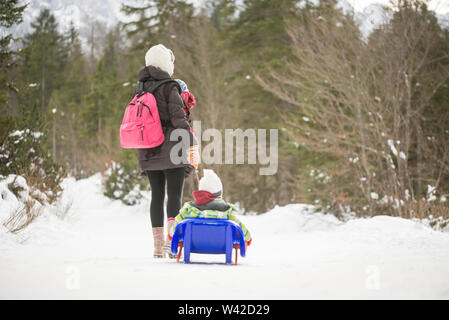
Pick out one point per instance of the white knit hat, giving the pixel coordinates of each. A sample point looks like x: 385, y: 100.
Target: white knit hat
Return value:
x: 210, y: 182
x: 161, y: 57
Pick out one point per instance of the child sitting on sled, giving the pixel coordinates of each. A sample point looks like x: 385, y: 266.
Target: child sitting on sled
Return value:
x: 209, y: 204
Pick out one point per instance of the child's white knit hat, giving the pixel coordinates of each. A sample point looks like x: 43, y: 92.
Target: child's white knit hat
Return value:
x: 211, y: 182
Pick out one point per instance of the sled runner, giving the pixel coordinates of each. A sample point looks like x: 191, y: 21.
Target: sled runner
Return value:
x: 208, y: 236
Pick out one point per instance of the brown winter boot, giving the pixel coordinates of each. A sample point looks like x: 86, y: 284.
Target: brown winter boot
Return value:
x: 167, y: 244
x: 158, y: 236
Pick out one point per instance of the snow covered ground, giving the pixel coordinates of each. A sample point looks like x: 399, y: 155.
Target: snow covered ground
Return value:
x: 103, y: 249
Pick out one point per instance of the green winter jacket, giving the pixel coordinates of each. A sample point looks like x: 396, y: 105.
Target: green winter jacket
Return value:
x: 189, y: 210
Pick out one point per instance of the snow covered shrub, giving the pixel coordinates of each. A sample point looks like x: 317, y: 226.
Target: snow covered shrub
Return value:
x: 22, y: 153
x: 28, y: 171
x: 20, y: 205
x: 124, y: 183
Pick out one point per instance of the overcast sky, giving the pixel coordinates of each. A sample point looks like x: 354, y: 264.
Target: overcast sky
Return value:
x: 440, y: 6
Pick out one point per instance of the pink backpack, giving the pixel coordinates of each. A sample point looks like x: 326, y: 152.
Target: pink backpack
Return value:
x: 141, y: 126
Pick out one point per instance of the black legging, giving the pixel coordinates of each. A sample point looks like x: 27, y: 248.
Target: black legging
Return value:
x: 174, y: 179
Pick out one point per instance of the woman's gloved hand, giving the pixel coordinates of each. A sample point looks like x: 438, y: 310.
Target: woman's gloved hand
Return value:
x: 193, y: 156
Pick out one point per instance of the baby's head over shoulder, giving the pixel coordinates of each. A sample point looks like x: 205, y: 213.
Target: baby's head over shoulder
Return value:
x: 186, y: 95
x: 183, y: 85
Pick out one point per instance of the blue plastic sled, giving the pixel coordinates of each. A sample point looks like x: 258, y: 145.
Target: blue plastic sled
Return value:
x: 208, y: 236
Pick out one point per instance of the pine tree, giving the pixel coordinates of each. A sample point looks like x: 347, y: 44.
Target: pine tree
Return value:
x: 223, y: 14
x: 10, y: 14
x: 23, y: 130
x: 104, y: 88
x: 154, y: 19
x: 45, y: 58
x: 66, y: 104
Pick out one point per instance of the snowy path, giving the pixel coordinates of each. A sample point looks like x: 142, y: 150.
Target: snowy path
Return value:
x: 104, y: 250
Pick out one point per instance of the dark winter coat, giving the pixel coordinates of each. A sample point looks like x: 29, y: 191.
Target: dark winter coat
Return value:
x: 171, y: 113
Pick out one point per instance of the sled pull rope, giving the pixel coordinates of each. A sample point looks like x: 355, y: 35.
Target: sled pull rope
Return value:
x: 197, y: 178
x: 180, y: 245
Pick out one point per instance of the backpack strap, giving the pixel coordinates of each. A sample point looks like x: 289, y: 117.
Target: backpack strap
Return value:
x: 139, y: 88
x: 156, y: 84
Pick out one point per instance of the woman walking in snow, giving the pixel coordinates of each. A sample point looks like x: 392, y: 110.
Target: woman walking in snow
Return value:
x: 156, y: 163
